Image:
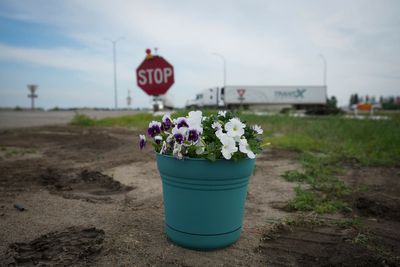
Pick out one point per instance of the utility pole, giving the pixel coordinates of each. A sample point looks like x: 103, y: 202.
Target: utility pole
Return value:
x: 114, y: 43
x: 224, y: 62
x: 129, y: 99
x: 325, y: 68
x: 224, y: 74
x: 32, y: 88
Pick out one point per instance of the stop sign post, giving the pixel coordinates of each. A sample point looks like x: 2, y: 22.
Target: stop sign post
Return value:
x: 155, y: 75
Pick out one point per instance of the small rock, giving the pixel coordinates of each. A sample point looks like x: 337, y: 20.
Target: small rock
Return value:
x: 19, y: 207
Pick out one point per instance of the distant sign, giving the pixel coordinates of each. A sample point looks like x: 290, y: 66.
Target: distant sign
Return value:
x: 268, y: 94
x: 298, y: 93
x: 241, y: 92
x: 155, y: 75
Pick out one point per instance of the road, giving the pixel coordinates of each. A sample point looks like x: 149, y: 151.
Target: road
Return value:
x: 17, y: 119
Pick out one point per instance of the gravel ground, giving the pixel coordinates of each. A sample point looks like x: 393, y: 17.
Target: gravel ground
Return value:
x: 26, y: 118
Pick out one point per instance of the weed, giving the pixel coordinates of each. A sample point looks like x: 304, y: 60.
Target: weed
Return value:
x: 361, y: 239
x: 347, y: 223
x: 294, y: 176
x: 305, y: 220
x: 10, y: 153
x: 308, y: 200
x: 325, y: 191
x: 83, y: 120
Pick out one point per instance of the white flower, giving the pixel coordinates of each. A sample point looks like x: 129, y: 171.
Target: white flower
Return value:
x: 194, y: 119
x: 234, y: 128
x: 177, y: 152
x: 222, y: 113
x: 257, y: 129
x: 245, y: 148
x: 228, y: 146
x: 163, y: 148
x: 199, y: 148
x: 219, y: 133
x: 216, y: 125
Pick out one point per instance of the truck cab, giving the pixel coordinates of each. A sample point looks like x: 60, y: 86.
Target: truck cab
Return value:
x: 209, y: 97
x: 162, y: 102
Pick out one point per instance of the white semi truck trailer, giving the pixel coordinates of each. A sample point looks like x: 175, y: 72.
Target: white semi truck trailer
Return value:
x: 162, y: 102
x: 260, y: 96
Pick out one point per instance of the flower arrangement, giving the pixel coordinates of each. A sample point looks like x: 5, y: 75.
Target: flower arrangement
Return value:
x: 218, y: 136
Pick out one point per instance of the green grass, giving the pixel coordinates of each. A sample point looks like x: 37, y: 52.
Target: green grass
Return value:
x: 364, y: 142
x: 139, y: 121
x: 311, y: 220
x: 309, y: 200
x: 367, y: 142
x: 8, y: 152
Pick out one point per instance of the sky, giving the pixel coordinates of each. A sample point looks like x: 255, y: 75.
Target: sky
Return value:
x: 61, y: 46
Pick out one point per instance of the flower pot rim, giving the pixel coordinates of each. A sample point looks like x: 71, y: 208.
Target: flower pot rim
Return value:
x: 203, y: 159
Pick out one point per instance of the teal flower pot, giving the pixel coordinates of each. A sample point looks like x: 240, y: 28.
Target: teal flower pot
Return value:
x: 203, y: 200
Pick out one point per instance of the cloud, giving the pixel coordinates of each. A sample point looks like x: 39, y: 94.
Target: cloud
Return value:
x: 263, y: 42
x: 59, y: 57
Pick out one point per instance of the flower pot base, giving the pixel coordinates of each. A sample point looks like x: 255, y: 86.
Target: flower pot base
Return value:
x: 204, y: 201
x: 202, y: 242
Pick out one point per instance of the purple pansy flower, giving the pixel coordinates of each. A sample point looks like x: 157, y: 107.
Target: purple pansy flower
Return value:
x: 179, y: 134
x: 158, y: 139
x: 193, y: 135
x: 181, y: 122
x: 142, y: 141
x: 179, y: 138
x: 166, y: 122
x: 154, y: 128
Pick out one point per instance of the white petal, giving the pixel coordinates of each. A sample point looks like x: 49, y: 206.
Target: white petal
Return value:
x: 233, y: 149
x: 219, y: 133
x: 226, y: 154
x: 251, y: 155
x: 242, y: 149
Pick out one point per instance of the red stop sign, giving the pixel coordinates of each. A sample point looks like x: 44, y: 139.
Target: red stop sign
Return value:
x: 155, y: 75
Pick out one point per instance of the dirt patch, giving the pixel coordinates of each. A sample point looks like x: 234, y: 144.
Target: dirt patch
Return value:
x: 61, y: 248
x: 376, y: 192
x: 378, y: 206
x: 273, y: 154
x: 91, y: 186
x: 325, y: 245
